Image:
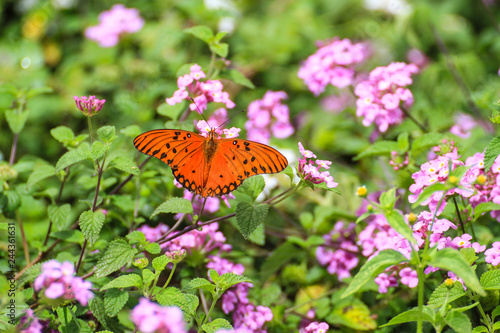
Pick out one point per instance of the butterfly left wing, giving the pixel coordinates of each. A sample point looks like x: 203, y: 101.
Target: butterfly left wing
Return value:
x: 236, y: 160
x: 182, y: 150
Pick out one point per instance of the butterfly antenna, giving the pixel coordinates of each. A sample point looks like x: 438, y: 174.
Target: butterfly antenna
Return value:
x: 227, y: 121
x: 199, y: 110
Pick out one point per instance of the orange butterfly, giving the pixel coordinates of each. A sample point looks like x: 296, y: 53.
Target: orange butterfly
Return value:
x: 210, y: 166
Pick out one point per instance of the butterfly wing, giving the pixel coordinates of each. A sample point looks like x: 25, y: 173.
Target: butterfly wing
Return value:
x: 182, y: 150
x: 236, y: 160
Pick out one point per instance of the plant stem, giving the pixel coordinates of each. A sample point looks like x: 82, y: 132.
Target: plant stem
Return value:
x: 409, y: 115
x: 23, y: 237
x: 420, y: 275
x: 459, y: 215
x: 58, y: 199
x: 13, y: 149
x: 216, y: 298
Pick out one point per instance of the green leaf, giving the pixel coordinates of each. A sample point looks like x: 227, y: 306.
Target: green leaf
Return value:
x: 153, y: 248
x: 445, y: 294
x: 200, y: 283
x: 171, y: 111
x: 147, y: 277
x: 323, y: 186
x: 131, y: 131
x: 388, y: 198
x: 114, y: 300
x: 174, y: 297
x: 217, y: 325
x: 220, y: 35
x: 124, y: 281
x: 469, y: 254
x: 403, y: 143
x: 428, y: 192
x: 495, y: 312
x: 221, y: 49
x: 214, y: 275
x: 378, y: 148
x: 16, y: 120
x: 398, y: 223
x: 174, y: 205
x: 125, y: 164
x: 411, y: 315
x: 91, y: 224
x: 279, y: 257
x: 201, y: 32
x: 480, y: 329
x: 250, y: 217
x: 62, y: 134
x: 37, y: 91
x: 40, y: 172
x: 258, y: 236
x: 490, y: 280
x: 73, y: 156
x: 491, y: 153
x: 29, y: 275
x: 118, y: 254
x: 253, y: 186
x: 107, y: 133
x: 485, y: 207
x: 228, y: 280
x: 70, y: 236
x: 352, y: 313
x: 59, y: 215
x: 159, y: 263
x: 240, y: 78
x: 98, y: 149
x: 460, y: 322
x: 136, y: 237
x: 425, y: 142
x: 96, y: 305
x: 372, y: 268
x: 451, y: 260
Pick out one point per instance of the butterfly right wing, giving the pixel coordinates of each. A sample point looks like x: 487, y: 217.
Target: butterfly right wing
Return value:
x: 182, y: 150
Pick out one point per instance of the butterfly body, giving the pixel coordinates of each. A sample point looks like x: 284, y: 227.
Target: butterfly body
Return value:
x: 210, y: 166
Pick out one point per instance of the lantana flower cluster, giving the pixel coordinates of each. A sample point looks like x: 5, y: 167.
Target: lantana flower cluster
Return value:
x: 246, y: 315
x: 114, y: 23
x: 89, y: 106
x: 190, y: 85
x: 487, y: 184
x: 150, y: 317
x: 381, y: 97
x: 340, y: 251
x: 268, y: 116
x: 310, y: 170
x: 437, y: 171
x: 58, y: 281
x: 315, y: 327
x: 333, y: 63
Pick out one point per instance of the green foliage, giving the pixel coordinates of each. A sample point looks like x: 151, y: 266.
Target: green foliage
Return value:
x: 491, y: 153
x: 91, y: 224
x: 118, y: 254
x: 174, y: 205
x: 250, y: 217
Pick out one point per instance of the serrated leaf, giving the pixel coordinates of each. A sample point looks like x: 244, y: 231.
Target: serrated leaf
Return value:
x: 159, y: 263
x: 30, y: 274
x: 62, y: 134
x: 425, y: 142
x: 491, y: 153
x: 171, y: 111
x: 73, y: 156
x: 398, y: 223
x: 372, y: 268
x: 40, y: 172
x: 201, y: 32
x: 409, y: 316
x: 16, y: 120
x: 214, y: 276
x: 240, y: 78
x: 221, y: 49
x: 485, y: 207
x: 403, y: 142
x: 469, y: 254
x: 388, y: 198
x: 124, y: 281
x: 451, y: 260
x: 147, y: 277
x: 228, y: 280
x: 174, y: 205
x: 428, y: 192
x: 136, y: 237
x: 490, y: 280
x: 174, y: 297
x: 249, y: 217
x: 480, y: 329
x: 352, y: 313
x: 279, y: 257
x: 153, y: 248
x: 98, y: 149
x: 378, y: 148
x: 217, y: 325
x: 96, y: 305
x: 107, y: 133
x: 59, y: 215
x: 258, y: 236
x: 200, y: 283
x: 253, y: 186
x: 118, y: 254
x: 114, y: 300
x: 460, y: 322
x: 91, y: 224
x: 445, y: 294
x: 125, y: 164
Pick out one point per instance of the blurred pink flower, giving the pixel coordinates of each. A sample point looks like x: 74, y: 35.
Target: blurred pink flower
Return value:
x: 150, y: 317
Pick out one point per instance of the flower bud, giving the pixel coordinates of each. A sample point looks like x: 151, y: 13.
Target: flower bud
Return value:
x: 176, y: 256
x: 141, y: 263
x: 481, y: 179
x: 89, y: 106
x: 412, y: 218
x: 361, y: 191
x: 453, y: 180
x: 449, y: 283
x: 369, y: 208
